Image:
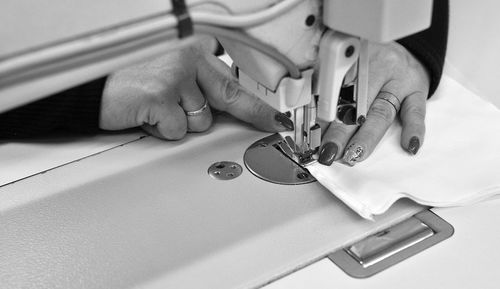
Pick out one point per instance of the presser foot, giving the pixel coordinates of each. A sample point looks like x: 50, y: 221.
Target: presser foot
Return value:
x: 273, y: 159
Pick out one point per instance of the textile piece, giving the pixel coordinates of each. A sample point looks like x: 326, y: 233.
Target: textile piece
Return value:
x: 458, y: 164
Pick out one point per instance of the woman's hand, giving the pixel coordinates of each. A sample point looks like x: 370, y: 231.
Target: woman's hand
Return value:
x: 397, y: 81
x: 157, y: 95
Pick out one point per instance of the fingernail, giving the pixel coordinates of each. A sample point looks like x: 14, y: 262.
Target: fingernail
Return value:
x: 284, y: 120
x: 353, y: 153
x: 414, y: 145
x: 327, y: 153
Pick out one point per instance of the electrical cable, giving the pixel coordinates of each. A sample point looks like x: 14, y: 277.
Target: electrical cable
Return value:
x: 213, y: 3
x: 239, y: 36
x: 245, y: 20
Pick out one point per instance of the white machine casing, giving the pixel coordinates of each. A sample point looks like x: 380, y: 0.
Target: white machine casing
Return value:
x: 373, y: 20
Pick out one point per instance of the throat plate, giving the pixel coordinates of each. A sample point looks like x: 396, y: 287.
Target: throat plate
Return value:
x: 266, y: 161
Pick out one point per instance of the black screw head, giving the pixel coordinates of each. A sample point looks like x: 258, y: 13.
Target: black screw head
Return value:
x: 302, y: 176
x: 361, y: 120
x: 349, y: 51
x: 310, y: 20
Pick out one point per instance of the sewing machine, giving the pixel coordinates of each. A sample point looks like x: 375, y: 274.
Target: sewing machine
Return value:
x: 294, y: 56
x: 109, y: 221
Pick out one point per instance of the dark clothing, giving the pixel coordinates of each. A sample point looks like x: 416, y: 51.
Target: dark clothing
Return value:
x: 429, y: 46
x: 78, y: 109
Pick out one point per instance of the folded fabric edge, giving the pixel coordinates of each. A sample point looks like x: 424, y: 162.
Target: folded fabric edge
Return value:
x: 357, y: 206
x: 482, y: 195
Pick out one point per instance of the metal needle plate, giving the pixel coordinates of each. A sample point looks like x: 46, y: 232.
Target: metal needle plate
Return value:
x: 264, y: 159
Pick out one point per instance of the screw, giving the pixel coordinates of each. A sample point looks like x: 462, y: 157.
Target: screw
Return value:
x: 361, y: 120
x: 310, y: 20
x: 349, y: 51
x: 302, y: 176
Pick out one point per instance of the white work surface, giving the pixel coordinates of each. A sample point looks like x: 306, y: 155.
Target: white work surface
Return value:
x: 22, y: 159
x: 129, y: 217
x: 148, y: 215
x: 467, y: 260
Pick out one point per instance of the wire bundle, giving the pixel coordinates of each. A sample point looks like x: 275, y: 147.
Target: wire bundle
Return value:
x: 231, y: 27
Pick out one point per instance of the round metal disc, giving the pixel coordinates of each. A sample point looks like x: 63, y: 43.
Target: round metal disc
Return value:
x: 225, y: 170
x: 265, y: 161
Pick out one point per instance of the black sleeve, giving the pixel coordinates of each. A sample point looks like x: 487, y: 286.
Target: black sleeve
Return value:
x: 76, y: 110
x: 429, y: 46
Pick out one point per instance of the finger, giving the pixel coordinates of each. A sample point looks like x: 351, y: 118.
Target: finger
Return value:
x: 167, y: 122
x: 412, y: 116
x: 334, y: 141
x: 379, y: 118
x: 193, y: 100
x: 224, y: 93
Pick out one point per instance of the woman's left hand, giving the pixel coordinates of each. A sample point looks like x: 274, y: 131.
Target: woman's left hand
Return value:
x: 398, y: 83
x: 171, y: 95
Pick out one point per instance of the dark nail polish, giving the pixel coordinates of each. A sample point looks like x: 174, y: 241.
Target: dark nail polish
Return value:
x: 284, y: 121
x: 414, y: 145
x: 327, y: 153
x: 353, y: 153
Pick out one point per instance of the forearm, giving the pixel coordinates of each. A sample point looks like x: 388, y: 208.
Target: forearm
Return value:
x: 429, y: 46
x: 76, y: 109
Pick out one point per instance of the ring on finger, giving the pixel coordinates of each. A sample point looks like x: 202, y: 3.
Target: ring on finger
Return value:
x: 198, y: 111
x: 390, y: 98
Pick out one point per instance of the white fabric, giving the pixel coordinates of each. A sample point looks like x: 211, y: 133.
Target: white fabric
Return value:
x: 459, y: 162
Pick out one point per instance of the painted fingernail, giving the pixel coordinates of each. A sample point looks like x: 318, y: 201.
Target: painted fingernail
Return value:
x: 327, y: 153
x: 284, y: 120
x: 353, y: 153
x: 414, y: 145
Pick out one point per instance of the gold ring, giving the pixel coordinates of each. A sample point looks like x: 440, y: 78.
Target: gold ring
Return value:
x: 198, y: 111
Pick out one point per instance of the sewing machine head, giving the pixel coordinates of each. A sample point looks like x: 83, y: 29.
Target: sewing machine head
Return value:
x: 318, y: 42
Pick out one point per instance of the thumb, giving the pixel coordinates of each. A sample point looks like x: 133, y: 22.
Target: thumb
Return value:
x: 224, y: 93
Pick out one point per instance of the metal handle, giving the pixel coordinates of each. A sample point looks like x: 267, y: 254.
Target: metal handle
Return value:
x: 379, y: 251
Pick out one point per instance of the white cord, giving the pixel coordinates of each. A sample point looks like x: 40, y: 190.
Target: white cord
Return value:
x: 236, y: 35
x: 213, y: 3
x: 246, y: 20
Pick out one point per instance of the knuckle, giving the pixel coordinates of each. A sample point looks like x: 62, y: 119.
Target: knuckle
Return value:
x: 174, y: 130
x: 176, y: 134
x: 382, y: 112
x: 393, y: 56
x: 260, y: 111
x: 339, y: 134
x: 205, y: 125
x: 368, y: 137
x: 414, y: 111
x: 231, y: 92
